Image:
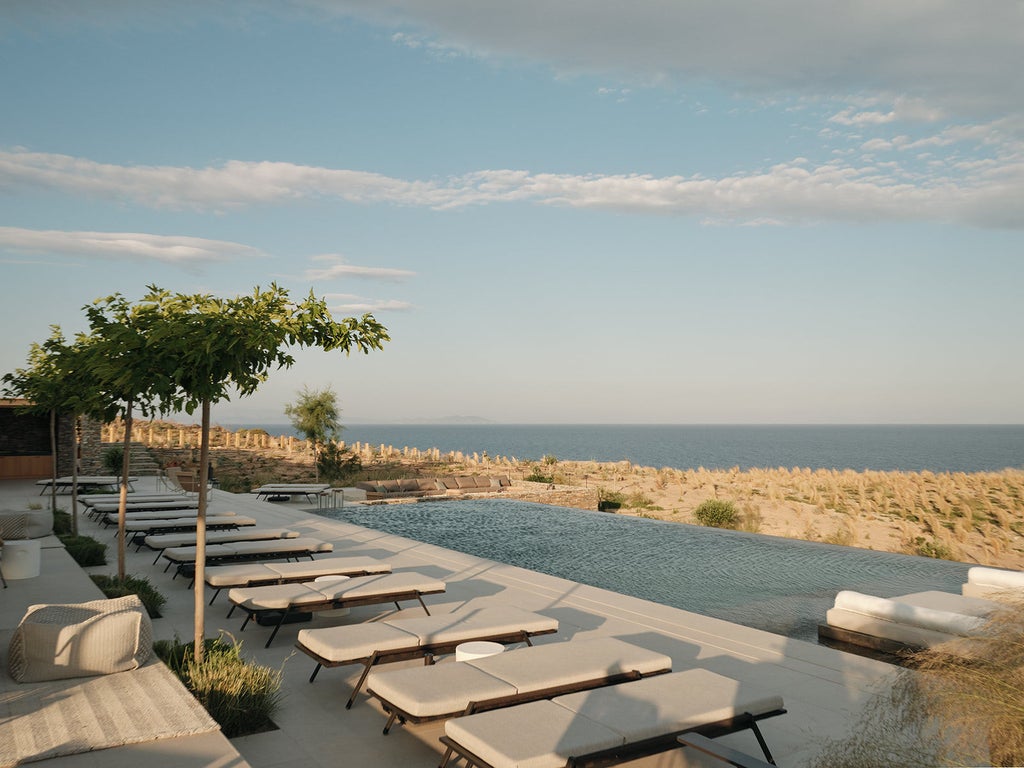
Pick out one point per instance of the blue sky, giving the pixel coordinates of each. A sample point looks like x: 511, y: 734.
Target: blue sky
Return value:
x: 624, y: 212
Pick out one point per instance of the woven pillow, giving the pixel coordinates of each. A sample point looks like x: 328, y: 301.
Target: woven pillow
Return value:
x: 54, y: 642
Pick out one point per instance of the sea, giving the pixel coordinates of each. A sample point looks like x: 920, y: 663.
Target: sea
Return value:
x: 910, y: 448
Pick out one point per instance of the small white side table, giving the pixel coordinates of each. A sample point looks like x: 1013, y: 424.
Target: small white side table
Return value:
x: 477, y: 649
x: 21, y: 559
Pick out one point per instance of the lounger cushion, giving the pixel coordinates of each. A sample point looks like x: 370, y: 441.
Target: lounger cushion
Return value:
x: 54, y: 642
x: 282, y: 596
x: 448, y: 688
x: 545, y: 734
x: 899, y: 611
x: 366, y: 586
x: 994, y: 584
x: 275, y: 597
x: 167, y: 540
x: 242, y: 548
x: 255, y: 573
x: 347, y: 644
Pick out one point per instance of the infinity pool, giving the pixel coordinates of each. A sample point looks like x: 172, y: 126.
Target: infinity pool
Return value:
x: 779, y: 585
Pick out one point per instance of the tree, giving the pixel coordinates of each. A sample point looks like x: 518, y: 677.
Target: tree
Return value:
x: 315, y: 416
x: 218, y: 346
x: 58, y: 380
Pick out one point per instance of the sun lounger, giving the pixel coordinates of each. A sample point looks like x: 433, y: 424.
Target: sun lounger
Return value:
x: 258, y: 574
x: 994, y: 584
x: 246, y: 551
x: 440, y: 691
x: 85, y: 482
x: 113, y: 508
x: 905, y: 623
x: 286, y: 600
x: 111, y: 519
x: 721, y: 752
x: 139, y: 529
x: 612, y: 725
x: 161, y: 541
x: 309, y: 490
x: 400, y: 639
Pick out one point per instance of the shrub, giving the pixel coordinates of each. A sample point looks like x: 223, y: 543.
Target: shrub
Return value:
x: 61, y: 523
x: 111, y: 586
x: 85, y: 550
x: 113, y: 459
x: 241, y: 696
x: 609, y: 501
x: 717, y: 513
x: 337, y: 464
x: 640, y: 501
x: 537, y: 477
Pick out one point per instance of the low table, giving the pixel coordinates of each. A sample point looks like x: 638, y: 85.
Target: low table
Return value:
x: 477, y: 649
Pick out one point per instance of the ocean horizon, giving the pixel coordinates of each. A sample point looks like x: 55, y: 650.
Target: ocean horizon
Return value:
x: 884, y: 447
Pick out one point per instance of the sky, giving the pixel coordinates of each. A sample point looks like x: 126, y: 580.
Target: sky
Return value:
x: 631, y: 211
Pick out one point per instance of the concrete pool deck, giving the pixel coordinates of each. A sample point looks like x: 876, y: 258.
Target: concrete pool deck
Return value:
x: 822, y: 688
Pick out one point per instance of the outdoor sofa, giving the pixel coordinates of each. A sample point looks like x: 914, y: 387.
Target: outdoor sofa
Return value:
x: 284, y: 602
x: 418, y: 487
x: 612, y: 725
x: 904, y: 623
x: 401, y: 639
x: 440, y: 691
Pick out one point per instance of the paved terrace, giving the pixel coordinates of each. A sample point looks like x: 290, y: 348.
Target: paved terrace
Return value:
x: 822, y: 688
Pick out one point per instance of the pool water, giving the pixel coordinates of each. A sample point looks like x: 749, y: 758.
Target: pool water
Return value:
x: 779, y: 585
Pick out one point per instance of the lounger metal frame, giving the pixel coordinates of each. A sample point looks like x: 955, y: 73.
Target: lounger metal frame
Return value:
x: 644, y: 748
x: 425, y: 651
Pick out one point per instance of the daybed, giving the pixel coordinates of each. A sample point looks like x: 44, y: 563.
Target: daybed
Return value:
x: 419, y: 487
x: 258, y: 574
x: 246, y: 551
x: 309, y: 490
x: 607, y: 726
x: 905, y: 623
x: 400, y: 639
x: 994, y: 584
x: 283, y: 601
x: 420, y: 694
x: 161, y: 541
x: 25, y: 524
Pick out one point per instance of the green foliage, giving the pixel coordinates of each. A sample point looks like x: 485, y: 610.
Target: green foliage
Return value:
x: 61, y: 523
x: 536, y: 476
x: 113, y: 459
x: 932, y: 548
x: 337, y: 465
x: 111, y: 586
x: 717, y: 513
x: 241, y: 696
x: 85, y: 550
x: 609, y: 501
x: 315, y: 415
x: 549, y: 459
x: 638, y: 500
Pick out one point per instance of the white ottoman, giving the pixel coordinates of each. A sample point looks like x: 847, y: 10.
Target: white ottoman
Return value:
x: 20, y: 559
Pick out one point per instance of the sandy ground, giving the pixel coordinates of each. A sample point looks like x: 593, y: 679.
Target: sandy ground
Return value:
x: 974, y: 518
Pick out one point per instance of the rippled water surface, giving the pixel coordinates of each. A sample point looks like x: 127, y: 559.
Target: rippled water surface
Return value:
x: 779, y: 585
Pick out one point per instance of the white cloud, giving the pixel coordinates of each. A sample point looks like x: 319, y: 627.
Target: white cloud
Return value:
x: 948, y: 54
x: 794, y: 192
x: 338, y: 267
x: 171, y: 249
x: 347, y: 302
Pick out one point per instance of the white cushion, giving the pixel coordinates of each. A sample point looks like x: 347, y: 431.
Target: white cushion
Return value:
x: 905, y: 613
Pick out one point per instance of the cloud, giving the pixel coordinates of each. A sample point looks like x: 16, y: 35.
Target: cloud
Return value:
x: 794, y: 192
x: 347, y: 302
x: 950, y: 54
x: 170, y: 249
x: 337, y: 267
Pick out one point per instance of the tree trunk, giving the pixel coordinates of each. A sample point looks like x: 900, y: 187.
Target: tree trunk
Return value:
x: 74, y: 478
x: 53, y: 461
x: 123, y: 501
x: 199, y: 584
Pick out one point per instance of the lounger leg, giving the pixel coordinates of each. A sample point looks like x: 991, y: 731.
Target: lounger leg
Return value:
x: 315, y: 670
x: 284, y: 615
x: 446, y: 758
x: 760, y: 739
x: 158, y: 553
x: 245, y: 623
x: 420, y: 598
x: 217, y: 592
x: 362, y: 679
x: 230, y: 612
x: 391, y: 721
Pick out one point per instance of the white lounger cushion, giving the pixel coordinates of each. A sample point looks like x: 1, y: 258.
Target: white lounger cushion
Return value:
x: 244, y: 548
x: 348, y: 644
x: 146, y: 506
x: 446, y: 688
x: 242, y: 575
x: 167, y: 540
x: 994, y: 584
x: 545, y: 734
x: 921, y: 619
x: 283, y: 596
x: 156, y: 525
